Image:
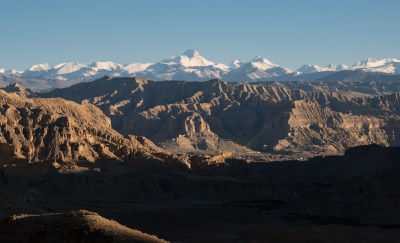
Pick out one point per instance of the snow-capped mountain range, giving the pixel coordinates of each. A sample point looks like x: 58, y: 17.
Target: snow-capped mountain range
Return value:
x: 314, y: 68
x: 191, y: 66
x: 10, y: 71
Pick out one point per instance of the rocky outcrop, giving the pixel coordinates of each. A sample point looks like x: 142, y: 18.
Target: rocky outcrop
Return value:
x: 311, y: 124
x: 56, y: 130
x: 75, y: 226
x: 19, y: 89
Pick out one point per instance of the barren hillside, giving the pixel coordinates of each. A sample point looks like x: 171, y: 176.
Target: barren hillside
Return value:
x: 216, y: 116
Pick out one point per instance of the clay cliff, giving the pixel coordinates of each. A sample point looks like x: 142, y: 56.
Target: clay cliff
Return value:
x: 188, y: 116
x: 56, y: 130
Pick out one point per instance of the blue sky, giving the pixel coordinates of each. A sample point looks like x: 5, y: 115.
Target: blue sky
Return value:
x: 289, y: 33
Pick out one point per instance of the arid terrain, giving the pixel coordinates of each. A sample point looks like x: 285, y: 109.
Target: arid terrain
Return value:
x: 243, y: 118
x: 199, y: 121
x: 59, y: 157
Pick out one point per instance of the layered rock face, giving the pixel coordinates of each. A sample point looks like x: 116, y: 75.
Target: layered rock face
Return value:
x: 56, y: 130
x: 214, y: 115
x: 311, y: 124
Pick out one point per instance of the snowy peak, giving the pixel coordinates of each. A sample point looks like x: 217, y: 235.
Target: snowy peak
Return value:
x: 365, y: 62
x: 307, y: 68
x: 10, y: 71
x: 190, y: 58
x: 135, y: 67
x: 387, y: 65
x: 332, y: 67
x: 314, y: 68
x: 372, y: 62
x: 257, y: 68
x: 191, y: 53
x: 235, y: 64
x: 105, y: 65
x: 68, y: 67
x: 40, y: 67
x: 262, y: 60
x: 262, y: 63
x: 341, y: 67
x: 266, y: 65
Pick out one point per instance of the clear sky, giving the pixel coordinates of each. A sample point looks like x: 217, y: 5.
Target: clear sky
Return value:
x: 289, y: 33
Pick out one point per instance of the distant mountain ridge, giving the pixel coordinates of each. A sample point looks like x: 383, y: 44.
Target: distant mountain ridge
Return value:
x: 191, y: 66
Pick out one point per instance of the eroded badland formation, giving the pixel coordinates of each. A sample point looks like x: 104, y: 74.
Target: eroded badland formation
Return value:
x: 149, y: 155
x: 214, y: 115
